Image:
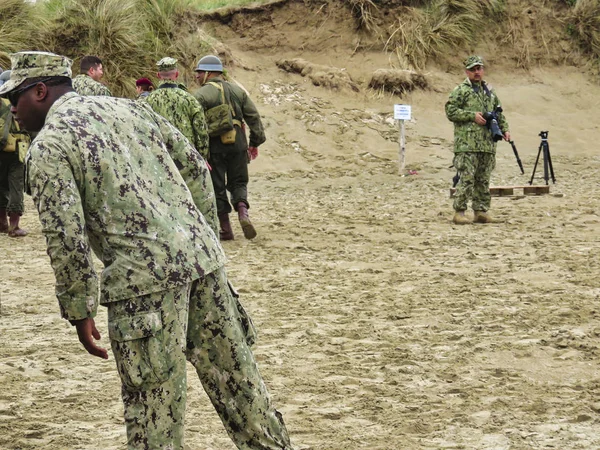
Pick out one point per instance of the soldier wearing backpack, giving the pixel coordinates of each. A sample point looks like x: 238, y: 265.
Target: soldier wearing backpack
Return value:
x: 13, y: 147
x: 228, y: 107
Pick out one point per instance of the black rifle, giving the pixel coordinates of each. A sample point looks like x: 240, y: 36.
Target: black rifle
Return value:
x: 514, y: 147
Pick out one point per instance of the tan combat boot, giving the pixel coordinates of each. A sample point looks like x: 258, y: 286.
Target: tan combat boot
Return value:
x: 460, y: 218
x: 482, y: 217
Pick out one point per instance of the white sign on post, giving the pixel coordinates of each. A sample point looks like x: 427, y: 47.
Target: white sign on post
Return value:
x: 401, y: 113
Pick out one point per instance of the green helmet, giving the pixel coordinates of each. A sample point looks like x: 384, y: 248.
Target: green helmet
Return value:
x: 209, y: 63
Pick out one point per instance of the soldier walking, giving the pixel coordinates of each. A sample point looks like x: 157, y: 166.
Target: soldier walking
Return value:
x: 179, y: 106
x: 13, y: 147
x: 109, y: 175
x: 474, y: 147
x: 229, y: 151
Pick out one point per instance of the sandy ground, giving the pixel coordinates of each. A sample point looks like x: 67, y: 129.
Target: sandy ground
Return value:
x: 381, y: 324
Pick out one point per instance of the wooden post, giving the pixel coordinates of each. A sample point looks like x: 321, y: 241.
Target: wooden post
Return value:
x: 402, y: 113
x: 402, y: 150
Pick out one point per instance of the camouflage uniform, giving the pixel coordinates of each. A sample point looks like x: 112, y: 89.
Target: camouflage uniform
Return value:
x: 474, y: 149
x: 12, y: 173
x: 229, y: 162
x: 182, y: 110
x: 136, y: 193
x: 86, y: 85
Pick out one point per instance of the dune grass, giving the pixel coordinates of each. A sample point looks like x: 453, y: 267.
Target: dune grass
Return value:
x: 585, y: 25
x: 16, y: 32
x: 439, y: 28
x: 131, y: 35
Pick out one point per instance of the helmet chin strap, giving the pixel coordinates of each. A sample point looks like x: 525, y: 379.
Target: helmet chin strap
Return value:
x: 205, y: 77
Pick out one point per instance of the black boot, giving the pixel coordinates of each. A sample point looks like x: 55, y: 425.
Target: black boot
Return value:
x: 225, y: 233
x: 247, y: 227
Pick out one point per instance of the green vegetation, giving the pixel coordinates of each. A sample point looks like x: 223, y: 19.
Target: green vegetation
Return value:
x: 128, y: 35
x: 131, y: 35
x: 208, y: 5
x: 439, y: 28
x: 584, y: 24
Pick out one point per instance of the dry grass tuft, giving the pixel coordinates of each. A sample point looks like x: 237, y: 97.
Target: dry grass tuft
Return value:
x: 363, y: 10
x: 397, y: 82
x: 319, y: 75
x: 585, y: 25
x: 438, y: 29
x: 16, y: 32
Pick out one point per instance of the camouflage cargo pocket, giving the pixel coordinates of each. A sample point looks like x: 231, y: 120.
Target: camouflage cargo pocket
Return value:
x: 137, y: 343
x: 219, y: 120
x: 243, y: 317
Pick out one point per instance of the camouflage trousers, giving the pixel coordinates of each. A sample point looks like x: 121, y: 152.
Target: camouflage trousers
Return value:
x: 475, y: 170
x: 12, y: 179
x: 148, y: 335
x: 219, y: 337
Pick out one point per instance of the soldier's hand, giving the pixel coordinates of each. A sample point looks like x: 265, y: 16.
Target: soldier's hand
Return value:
x: 479, y: 119
x: 252, y: 153
x: 507, y: 136
x: 87, y: 332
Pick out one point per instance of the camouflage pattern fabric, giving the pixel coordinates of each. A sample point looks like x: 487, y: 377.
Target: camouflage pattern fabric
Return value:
x: 129, y: 192
x: 12, y: 178
x: 473, y: 61
x: 183, y: 111
x: 474, y: 148
x: 12, y: 173
x: 148, y: 335
x: 35, y: 64
x: 86, y: 85
x: 466, y: 100
x: 475, y: 170
x: 219, y: 338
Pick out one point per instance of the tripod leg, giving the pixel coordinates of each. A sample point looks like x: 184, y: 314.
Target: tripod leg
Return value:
x: 550, y: 163
x: 546, y: 163
x: 535, y: 165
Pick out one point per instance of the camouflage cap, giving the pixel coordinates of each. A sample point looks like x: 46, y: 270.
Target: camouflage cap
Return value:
x: 167, y: 64
x: 5, y: 76
x: 473, y: 61
x: 35, y: 64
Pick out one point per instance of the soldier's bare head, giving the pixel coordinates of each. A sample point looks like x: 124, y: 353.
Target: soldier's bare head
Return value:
x: 92, y: 66
x: 168, y: 74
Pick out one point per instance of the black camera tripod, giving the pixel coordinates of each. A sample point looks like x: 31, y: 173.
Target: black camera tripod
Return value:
x: 545, y: 150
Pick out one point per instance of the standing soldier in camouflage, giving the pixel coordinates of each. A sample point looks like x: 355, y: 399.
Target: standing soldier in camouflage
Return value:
x: 474, y: 148
x: 111, y: 176
x: 88, y: 80
x: 13, y: 147
x: 229, y: 151
x: 179, y: 106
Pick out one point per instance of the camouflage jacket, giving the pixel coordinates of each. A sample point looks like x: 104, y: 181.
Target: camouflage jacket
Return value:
x: 210, y: 96
x: 8, y: 143
x: 181, y: 109
x: 86, y: 85
x: 110, y: 175
x: 465, y: 100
